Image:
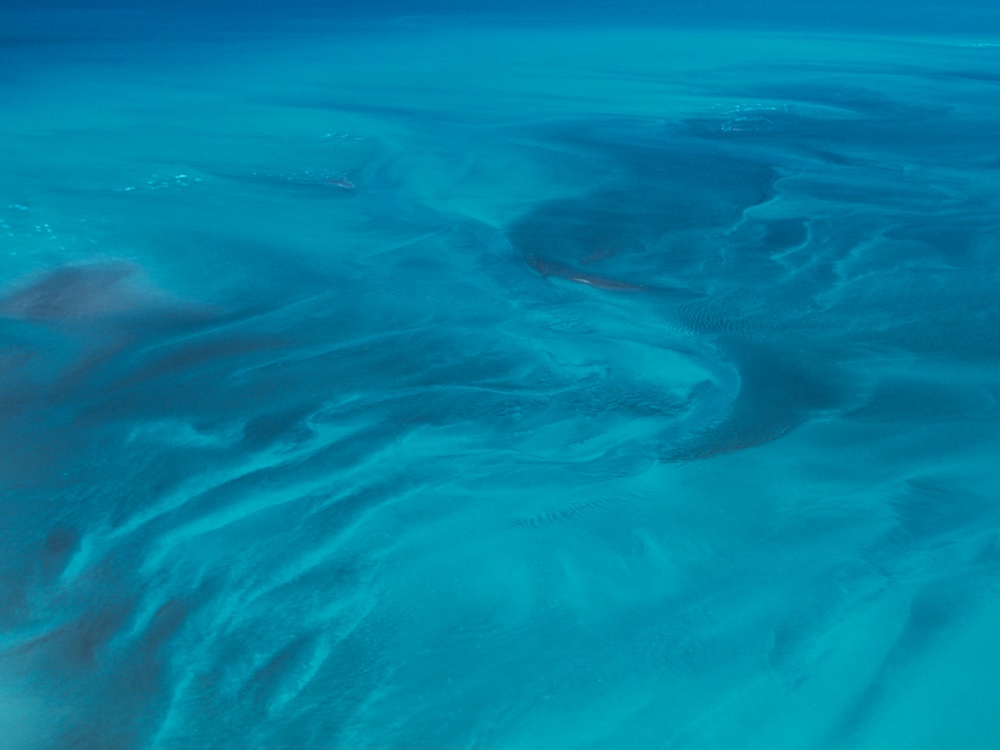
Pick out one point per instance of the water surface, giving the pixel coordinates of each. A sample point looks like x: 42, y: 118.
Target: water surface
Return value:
x: 434, y: 384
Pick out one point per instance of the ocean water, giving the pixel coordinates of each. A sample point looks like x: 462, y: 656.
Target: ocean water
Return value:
x: 412, y: 378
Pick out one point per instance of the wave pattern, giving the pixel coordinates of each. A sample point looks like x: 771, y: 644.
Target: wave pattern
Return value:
x: 640, y: 401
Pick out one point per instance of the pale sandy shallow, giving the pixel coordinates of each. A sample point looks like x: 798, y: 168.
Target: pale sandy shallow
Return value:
x: 477, y: 387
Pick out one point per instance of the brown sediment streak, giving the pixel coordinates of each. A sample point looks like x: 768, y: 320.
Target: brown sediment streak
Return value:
x: 73, y: 292
x: 550, y: 268
x: 96, y: 293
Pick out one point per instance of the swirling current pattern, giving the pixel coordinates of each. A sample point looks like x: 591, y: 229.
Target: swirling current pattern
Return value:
x: 656, y: 409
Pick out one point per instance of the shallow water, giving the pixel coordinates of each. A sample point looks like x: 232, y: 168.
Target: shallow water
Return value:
x: 449, y: 385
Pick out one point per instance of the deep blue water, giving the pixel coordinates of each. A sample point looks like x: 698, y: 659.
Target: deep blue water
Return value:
x: 624, y: 376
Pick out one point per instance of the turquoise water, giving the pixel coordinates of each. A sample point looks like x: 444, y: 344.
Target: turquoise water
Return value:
x: 433, y: 383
